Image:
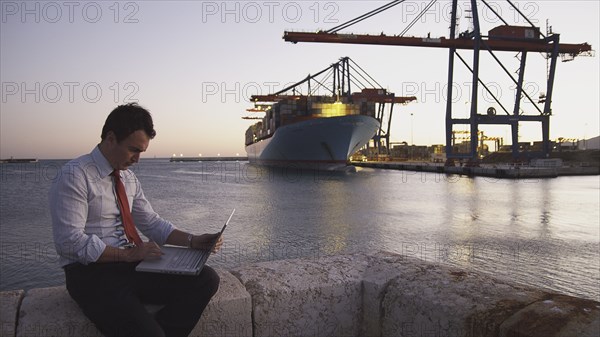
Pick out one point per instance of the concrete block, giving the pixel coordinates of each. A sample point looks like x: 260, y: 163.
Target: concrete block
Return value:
x: 229, y: 313
x: 9, y: 309
x: 556, y: 315
x: 50, y: 312
x: 383, y: 268
x: 380, y: 294
x: 306, y: 297
x: 428, y: 299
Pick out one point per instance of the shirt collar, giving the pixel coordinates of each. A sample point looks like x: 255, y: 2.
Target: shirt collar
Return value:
x: 104, y: 167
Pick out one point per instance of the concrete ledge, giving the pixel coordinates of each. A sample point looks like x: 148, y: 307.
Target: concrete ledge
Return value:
x: 556, y: 315
x: 405, y: 297
x: 438, y: 300
x: 229, y: 313
x: 379, y: 294
x: 10, y: 301
x: 306, y: 297
x: 51, y: 312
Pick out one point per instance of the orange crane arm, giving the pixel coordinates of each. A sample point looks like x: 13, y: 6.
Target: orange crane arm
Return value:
x: 537, y: 45
x: 379, y: 99
x: 385, y: 98
x: 273, y: 98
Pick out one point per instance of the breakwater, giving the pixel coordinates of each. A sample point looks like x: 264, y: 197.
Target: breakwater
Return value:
x: 379, y: 294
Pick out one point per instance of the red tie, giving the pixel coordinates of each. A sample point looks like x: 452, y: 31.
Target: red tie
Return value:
x: 128, y: 224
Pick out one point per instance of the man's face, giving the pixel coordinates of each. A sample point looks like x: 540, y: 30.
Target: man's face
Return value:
x: 127, y: 152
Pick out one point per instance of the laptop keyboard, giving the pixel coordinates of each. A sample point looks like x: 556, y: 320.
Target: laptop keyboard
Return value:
x: 187, y: 259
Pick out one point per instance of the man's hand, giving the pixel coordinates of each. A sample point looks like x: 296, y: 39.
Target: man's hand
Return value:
x: 146, y: 251
x: 205, y: 241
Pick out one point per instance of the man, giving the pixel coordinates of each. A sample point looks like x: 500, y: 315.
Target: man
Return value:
x: 99, y: 250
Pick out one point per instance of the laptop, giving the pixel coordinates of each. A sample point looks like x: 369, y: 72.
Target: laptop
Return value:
x: 180, y: 260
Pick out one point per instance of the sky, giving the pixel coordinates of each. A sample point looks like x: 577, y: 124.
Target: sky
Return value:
x: 64, y: 65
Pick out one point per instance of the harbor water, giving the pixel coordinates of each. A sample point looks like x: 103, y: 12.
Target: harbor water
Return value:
x: 538, y: 232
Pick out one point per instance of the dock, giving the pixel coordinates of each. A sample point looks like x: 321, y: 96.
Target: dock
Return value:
x: 506, y: 171
x: 203, y: 159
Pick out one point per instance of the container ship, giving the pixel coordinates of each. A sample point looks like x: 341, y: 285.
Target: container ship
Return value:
x: 317, y: 131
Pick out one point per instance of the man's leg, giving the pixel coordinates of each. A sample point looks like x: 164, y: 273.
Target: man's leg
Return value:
x: 184, y: 297
x: 106, y: 295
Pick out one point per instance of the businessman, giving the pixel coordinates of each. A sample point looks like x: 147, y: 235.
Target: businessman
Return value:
x: 97, y: 207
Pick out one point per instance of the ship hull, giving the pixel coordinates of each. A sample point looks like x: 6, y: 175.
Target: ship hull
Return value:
x: 323, y: 143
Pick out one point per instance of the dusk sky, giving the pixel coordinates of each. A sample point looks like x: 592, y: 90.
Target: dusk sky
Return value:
x: 65, y: 65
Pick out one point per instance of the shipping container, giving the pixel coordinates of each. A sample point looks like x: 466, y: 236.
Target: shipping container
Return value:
x: 515, y: 32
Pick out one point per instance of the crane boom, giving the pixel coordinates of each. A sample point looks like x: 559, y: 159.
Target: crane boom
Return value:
x: 534, y: 45
x: 387, y: 98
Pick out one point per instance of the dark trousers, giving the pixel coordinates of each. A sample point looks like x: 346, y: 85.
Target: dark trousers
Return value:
x: 112, y: 296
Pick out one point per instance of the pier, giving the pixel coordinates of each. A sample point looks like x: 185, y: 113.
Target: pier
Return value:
x: 508, y: 171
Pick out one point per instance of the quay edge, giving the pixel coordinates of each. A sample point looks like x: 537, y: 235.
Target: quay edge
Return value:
x: 203, y: 159
x: 378, y: 294
x: 495, y: 171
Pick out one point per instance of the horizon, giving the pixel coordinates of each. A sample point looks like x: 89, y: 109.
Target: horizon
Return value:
x: 242, y: 155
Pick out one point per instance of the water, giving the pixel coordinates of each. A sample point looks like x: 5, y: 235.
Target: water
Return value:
x: 543, y: 233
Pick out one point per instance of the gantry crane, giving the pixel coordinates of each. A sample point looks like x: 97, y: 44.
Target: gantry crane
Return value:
x: 521, y: 39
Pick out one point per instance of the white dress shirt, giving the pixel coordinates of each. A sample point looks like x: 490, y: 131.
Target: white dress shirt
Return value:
x: 85, y: 213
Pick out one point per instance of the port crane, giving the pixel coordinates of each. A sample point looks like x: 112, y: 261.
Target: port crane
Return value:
x: 339, y: 80
x: 504, y: 38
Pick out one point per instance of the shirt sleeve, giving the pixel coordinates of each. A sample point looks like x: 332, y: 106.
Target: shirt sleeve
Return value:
x: 147, y: 220
x: 69, y: 210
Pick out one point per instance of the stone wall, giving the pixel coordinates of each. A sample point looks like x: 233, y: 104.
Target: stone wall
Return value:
x: 380, y: 294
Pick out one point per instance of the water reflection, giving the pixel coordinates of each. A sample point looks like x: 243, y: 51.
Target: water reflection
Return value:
x: 539, y: 232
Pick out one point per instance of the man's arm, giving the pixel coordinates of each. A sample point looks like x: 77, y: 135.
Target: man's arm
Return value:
x: 69, y: 211
x: 204, y: 241
x: 147, y: 251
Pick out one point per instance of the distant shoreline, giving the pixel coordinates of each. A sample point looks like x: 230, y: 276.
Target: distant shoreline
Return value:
x: 19, y: 160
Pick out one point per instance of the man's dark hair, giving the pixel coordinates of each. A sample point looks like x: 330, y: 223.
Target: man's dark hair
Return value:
x: 126, y: 119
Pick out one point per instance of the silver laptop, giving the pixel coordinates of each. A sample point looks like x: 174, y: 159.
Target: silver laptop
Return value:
x: 180, y: 260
